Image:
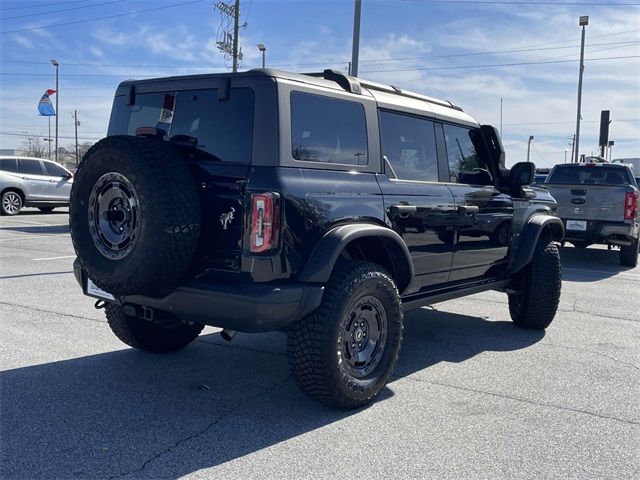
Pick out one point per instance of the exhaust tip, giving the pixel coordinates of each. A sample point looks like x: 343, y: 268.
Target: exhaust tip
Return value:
x: 228, y: 335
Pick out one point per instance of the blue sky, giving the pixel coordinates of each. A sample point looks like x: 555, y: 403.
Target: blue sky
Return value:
x: 453, y: 50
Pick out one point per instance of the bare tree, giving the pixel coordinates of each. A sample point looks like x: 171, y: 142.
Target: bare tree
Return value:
x: 34, y: 147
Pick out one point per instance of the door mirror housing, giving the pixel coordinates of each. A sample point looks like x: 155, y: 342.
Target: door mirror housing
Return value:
x: 522, y: 174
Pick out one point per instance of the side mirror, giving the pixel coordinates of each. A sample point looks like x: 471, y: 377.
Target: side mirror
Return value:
x: 67, y: 175
x: 521, y: 174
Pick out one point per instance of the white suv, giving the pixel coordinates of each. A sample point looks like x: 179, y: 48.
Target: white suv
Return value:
x: 32, y: 182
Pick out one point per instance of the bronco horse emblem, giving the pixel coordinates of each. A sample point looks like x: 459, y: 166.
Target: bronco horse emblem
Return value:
x: 226, y: 218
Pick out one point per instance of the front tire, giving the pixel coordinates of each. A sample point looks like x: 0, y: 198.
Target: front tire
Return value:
x: 343, y: 354
x: 11, y: 203
x: 149, y: 336
x: 538, y: 286
x: 629, y: 254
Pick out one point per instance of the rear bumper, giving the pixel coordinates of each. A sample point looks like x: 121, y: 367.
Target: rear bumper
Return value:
x: 599, y: 231
x: 245, y: 307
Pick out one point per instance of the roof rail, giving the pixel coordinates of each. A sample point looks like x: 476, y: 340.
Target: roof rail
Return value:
x: 347, y: 82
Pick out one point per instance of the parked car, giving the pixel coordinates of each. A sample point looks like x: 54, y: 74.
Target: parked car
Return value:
x: 321, y: 205
x: 33, y: 182
x: 598, y: 203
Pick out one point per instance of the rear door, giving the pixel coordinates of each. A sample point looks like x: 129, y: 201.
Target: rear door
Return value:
x: 484, y: 214
x: 59, y: 182
x: 419, y: 208
x: 35, y: 178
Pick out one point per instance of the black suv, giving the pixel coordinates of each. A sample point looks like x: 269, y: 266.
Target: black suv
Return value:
x: 317, y: 204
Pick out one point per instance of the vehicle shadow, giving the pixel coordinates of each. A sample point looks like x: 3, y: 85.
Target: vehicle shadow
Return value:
x: 590, y: 264
x: 34, y: 211
x: 143, y: 415
x: 38, y: 229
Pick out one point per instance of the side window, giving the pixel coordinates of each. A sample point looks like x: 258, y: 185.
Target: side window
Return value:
x: 147, y: 111
x: 9, y: 165
x: 30, y: 167
x: 54, y: 170
x: 409, y: 143
x: 328, y: 130
x: 462, y: 156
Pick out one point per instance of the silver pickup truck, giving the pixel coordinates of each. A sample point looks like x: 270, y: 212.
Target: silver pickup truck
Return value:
x: 598, y: 203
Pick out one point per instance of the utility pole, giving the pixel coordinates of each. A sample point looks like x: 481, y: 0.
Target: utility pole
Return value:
x: 57, y: 65
x: 228, y: 43
x: 355, y: 52
x: 572, y: 142
x: 76, y: 123
x: 529, y: 148
x: 500, y: 117
x: 584, y: 21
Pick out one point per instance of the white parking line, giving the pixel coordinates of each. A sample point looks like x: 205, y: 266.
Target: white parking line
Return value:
x: 12, y: 221
x: 34, y: 236
x: 601, y: 272
x: 52, y: 258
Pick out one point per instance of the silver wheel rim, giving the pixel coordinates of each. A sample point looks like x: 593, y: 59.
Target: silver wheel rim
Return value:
x: 11, y: 203
x: 114, y: 215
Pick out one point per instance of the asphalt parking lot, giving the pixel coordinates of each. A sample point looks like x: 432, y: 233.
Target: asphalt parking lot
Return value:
x: 472, y: 397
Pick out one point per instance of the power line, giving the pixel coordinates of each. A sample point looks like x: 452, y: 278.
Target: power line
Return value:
x: 41, y: 5
x: 572, y: 123
x: 503, y: 2
x: 60, y: 11
x: 102, y: 18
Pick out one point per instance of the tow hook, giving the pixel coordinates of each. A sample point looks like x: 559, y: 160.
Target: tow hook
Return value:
x: 228, y: 335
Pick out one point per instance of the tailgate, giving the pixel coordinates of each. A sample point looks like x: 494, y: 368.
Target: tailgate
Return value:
x: 590, y: 202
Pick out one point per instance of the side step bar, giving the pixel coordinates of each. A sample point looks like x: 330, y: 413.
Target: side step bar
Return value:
x: 416, y: 301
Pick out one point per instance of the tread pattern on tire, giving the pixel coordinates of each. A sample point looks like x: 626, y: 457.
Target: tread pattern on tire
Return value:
x: 540, y: 284
x: 629, y: 254
x: 145, y: 335
x: 172, y: 236
x: 311, y: 342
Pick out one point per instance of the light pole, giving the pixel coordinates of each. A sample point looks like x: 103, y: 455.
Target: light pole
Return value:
x: 529, y: 147
x: 263, y: 49
x: 584, y: 21
x: 566, y: 150
x: 355, y: 51
x: 57, y: 65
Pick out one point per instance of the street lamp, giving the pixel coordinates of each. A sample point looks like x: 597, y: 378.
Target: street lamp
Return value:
x: 529, y: 147
x: 263, y: 49
x: 57, y: 65
x: 566, y: 150
x: 584, y: 21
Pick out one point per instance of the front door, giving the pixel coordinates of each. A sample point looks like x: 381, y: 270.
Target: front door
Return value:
x: 418, y: 208
x: 484, y: 215
x: 59, y: 182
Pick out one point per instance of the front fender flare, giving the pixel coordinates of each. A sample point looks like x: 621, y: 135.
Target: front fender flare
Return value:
x: 324, y: 256
x: 529, y: 237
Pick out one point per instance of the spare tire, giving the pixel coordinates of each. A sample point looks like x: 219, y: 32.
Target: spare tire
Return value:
x: 134, y: 215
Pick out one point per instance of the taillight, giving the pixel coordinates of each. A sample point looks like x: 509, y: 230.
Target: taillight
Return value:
x: 265, y: 222
x: 630, y: 205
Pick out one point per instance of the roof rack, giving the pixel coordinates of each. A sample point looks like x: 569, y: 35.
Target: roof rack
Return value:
x: 354, y: 85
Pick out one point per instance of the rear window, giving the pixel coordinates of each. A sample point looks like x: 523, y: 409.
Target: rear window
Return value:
x: 329, y: 130
x: 589, y: 175
x: 223, y: 129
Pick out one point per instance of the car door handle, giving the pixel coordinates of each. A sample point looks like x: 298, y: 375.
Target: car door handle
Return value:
x: 468, y: 209
x: 402, y: 210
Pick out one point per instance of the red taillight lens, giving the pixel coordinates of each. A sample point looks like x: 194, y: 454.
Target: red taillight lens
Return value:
x: 265, y: 222
x: 630, y: 205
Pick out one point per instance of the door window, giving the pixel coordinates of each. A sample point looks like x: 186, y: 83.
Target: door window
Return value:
x: 54, y: 170
x: 9, y: 165
x: 409, y: 143
x: 30, y: 167
x: 325, y: 129
x: 464, y: 161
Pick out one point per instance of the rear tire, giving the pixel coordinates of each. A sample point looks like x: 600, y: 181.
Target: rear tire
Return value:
x: 343, y: 354
x: 629, y: 254
x: 149, y: 336
x: 11, y: 203
x: 538, y: 285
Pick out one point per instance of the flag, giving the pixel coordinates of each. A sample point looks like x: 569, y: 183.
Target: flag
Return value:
x: 44, y: 105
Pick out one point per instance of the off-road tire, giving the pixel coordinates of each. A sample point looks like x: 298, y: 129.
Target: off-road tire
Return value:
x: 580, y: 244
x: 629, y: 254
x: 149, y: 336
x: 315, y: 344
x: 538, y: 286
x: 168, y: 224
x: 46, y: 209
x: 8, y: 200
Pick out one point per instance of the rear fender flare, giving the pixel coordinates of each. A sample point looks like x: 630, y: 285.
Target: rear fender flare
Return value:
x: 530, y: 236
x: 325, y: 255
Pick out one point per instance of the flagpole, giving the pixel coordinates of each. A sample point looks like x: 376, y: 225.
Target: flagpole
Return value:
x: 56, y: 64
x: 49, y: 138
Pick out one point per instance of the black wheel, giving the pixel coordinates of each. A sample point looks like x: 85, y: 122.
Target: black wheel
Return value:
x: 580, y: 244
x: 134, y: 215
x: 538, y: 288
x: 168, y: 336
x: 11, y: 203
x: 629, y: 254
x: 343, y: 354
x: 46, y: 209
